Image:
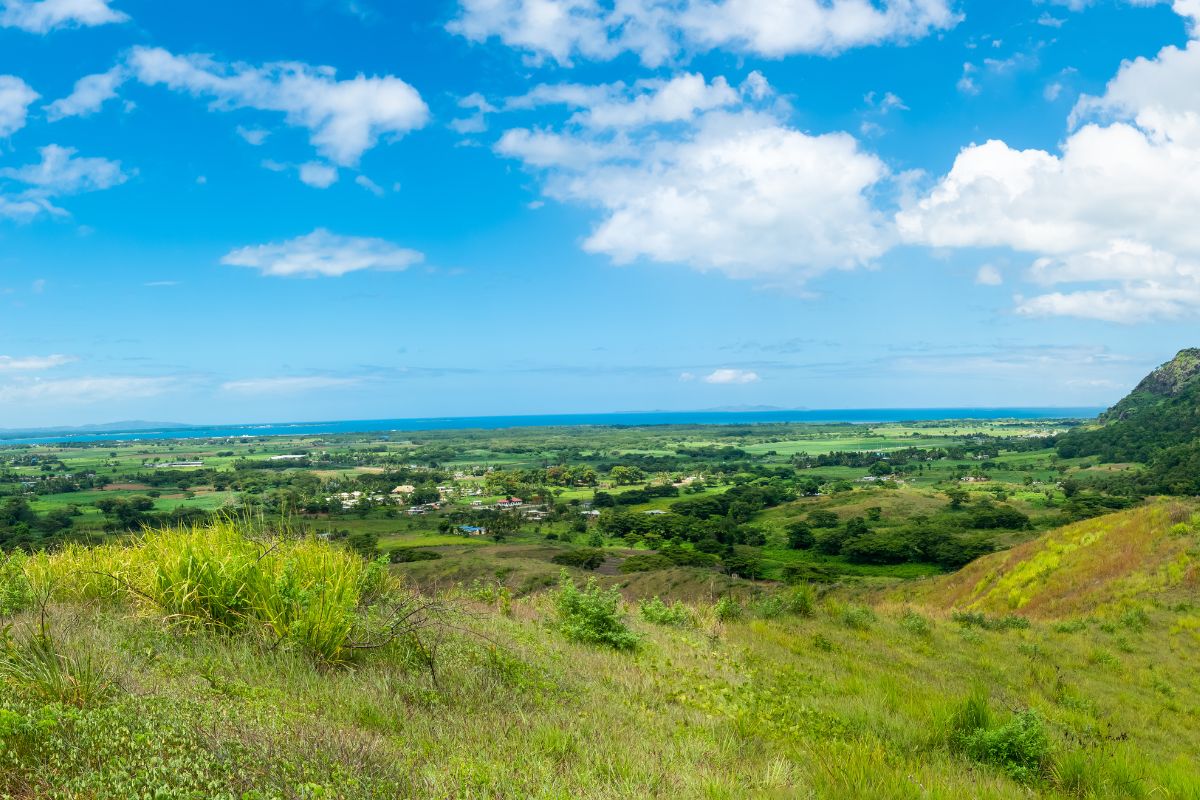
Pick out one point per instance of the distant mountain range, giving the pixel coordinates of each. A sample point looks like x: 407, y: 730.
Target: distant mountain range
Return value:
x: 132, y: 426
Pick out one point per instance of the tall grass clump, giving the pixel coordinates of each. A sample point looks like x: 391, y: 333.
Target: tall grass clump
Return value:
x: 303, y: 592
x: 592, y: 615
x: 37, y: 667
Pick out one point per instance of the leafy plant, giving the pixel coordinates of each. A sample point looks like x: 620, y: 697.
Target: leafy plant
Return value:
x: 1019, y: 746
x: 592, y: 615
x: 16, y: 593
x: 657, y: 612
x: 727, y: 609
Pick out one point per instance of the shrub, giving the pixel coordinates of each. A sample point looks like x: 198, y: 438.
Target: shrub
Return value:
x: 859, y: 618
x: 977, y: 619
x: 1019, y: 746
x: 592, y: 615
x: 916, y: 624
x: 646, y: 562
x: 769, y: 607
x: 808, y: 573
x: 589, y: 558
x: 801, y: 601
x: 727, y: 609
x: 407, y: 555
x: 16, y: 594
x: 659, y: 613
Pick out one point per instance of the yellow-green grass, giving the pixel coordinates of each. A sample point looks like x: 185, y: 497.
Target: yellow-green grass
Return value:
x: 853, y: 702
x: 1099, y: 566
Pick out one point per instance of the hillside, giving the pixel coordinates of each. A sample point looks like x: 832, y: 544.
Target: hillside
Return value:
x: 227, y: 662
x: 1103, y: 567
x: 1157, y: 424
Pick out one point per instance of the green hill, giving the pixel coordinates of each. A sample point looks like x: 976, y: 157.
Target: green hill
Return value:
x: 1157, y: 424
x: 1105, y: 567
x: 226, y: 662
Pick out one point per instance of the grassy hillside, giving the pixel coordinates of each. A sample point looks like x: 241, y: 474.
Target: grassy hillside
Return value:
x: 1104, y: 566
x: 224, y: 662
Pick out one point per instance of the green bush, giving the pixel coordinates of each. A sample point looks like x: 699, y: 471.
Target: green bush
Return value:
x: 768, y: 607
x: 589, y: 558
x: 916, y: 624
x: 1019, y: 746
x: 859, y: 618
x: 727, y: 609
x: 659, y: 613
x: 976, y: 619
x: 646, y: 562
x: 801, y: 601
x: 16, y: 594
x: 592, y: 615
x: 408, y: 555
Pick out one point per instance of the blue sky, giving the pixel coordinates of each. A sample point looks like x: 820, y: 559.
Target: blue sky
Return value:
x: 321, y: 209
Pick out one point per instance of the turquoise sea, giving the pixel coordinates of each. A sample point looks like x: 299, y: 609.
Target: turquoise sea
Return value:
x: 860, y: 415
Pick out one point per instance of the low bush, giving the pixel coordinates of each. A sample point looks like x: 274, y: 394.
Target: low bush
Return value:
x: 801, y: 600
x: 592, y: 615
x: 659, y: 613
x: 589, y: 558
x: 408, y: 555
x: 727, y: 609
x: 859, y: 618
x: 916, y: 624
x: 16, y: 593
x: 1018, y: 746
x: 976, y: 619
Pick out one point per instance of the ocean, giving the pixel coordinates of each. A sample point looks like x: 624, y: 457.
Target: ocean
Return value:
x: 861, y: 415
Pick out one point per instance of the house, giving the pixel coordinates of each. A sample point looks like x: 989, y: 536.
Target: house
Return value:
x: 655, y: 512
x: 472, y: 530
x: 406, y: 489
x: 510, y: 502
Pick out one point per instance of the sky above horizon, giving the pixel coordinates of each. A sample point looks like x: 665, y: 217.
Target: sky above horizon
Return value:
x: 360, y: 209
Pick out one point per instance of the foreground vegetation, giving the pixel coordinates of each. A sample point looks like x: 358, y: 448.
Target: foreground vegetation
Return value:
x: 235, y: 661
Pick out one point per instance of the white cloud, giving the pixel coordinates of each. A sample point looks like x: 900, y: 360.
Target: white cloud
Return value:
x: 89, y: 96
x: 61, y: 172
x: 658, y: 30
x: 692, y: 172
x: 370, y: 185
x: 84, y: 391
x: 33, y: 363
x: 687, y: 377
x: 732, y: 376
x: 318, y: 175
x: 293, y: 385
x: 1110, y: 217
x: 989, y: 276
x: 253, y: 136
x: 322, y: 253
x: 44, y: 16
x: 344, y: 118
x: 15, y: 99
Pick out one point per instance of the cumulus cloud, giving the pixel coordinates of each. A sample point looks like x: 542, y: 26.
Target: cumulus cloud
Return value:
x: 33, y: 363
x: 323, y: 254
x: 89, y: 96
x: 658, y: 30
x: 732, y: 376
x: 688, y: 171
x: 344, y: 118
x: 1110, y: 217
x: 15, y: 99
x: 61, y: 172
x: 287, y: 385
x: 43, y: 16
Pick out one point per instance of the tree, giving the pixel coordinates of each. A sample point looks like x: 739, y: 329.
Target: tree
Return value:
x: 800, y: 536
x: 957, y: 496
